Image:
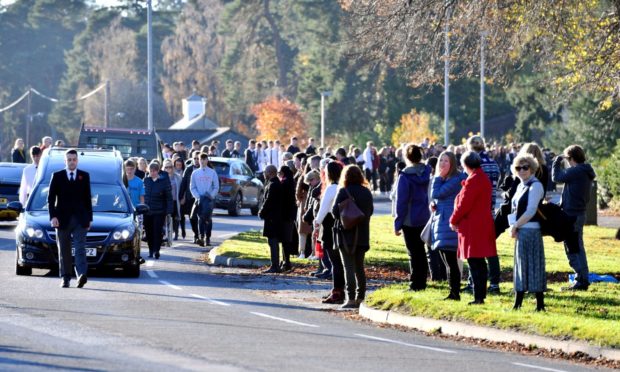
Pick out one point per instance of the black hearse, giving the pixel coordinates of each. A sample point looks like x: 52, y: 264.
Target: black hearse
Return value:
x: 129, y: 142
x: 113, y: 240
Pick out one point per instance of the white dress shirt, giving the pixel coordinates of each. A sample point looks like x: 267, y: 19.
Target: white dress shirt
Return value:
x: 27, y: 182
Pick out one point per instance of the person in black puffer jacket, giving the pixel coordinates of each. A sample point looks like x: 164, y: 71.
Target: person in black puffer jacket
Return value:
x: 158, y: 196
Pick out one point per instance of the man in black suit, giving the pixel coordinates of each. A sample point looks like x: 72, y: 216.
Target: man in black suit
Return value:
x: 71, y: 214
x: 187, y: 200
x: 271, y: 213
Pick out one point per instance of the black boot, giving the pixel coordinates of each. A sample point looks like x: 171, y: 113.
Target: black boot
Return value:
x: 518, y: 300
x: 540, y: 301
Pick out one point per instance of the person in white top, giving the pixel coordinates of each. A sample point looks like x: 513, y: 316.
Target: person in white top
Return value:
x: 204, y: 186
x: 28, y: 175
x: 367, y: 155
x: 274, y: 155
x: 323, y: 223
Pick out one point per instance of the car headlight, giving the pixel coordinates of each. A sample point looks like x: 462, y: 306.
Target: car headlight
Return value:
x: 123, y: 233
x: 33, y: 232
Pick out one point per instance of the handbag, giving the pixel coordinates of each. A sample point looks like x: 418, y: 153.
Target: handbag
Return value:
x: 350, y: 214
x: 427, y: 232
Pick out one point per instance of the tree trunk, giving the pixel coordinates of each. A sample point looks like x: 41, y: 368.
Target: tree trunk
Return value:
x: 279, y: 47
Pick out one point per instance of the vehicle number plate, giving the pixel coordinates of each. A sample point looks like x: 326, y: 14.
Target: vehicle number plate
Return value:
x: 90, y: 252
x: 3, y: 200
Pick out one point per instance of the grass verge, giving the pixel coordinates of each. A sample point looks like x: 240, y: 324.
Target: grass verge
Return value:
x: 592, y: 316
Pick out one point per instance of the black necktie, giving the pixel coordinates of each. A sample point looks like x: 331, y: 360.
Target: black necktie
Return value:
x: 71, y: 177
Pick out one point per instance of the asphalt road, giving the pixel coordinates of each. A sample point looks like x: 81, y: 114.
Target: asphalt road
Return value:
x: 184, y: 315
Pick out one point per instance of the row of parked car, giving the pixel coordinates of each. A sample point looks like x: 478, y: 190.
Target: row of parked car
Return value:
x: 114, y: 240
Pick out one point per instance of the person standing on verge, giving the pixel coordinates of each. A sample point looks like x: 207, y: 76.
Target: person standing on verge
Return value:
x: 271, y: 214
x: 71, y: 214
x: 185, y: 195
x: 355, y: 242
x: 204, y: 186
x: 28, y: 175
x: 251, y: 158
x: 412, y: 213
x: 577, y: 179
x: 491, y: 169
x: 444, y: 189
x: 158, y: 196
x: 474, y: 224
x: 529, y: 257
x: 17, y: 154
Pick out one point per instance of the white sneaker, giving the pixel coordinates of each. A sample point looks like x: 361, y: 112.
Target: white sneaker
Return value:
x: 303, y: 255
x: 313, y: 257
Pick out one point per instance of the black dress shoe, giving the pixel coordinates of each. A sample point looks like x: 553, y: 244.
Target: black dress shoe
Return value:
x: 64, y: 283
x: 157, y: 255
x: 476, y: 302
x: 272, y: 270
x: 81, y: 281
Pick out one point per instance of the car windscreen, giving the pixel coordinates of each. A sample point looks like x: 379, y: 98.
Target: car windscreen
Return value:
x: 221, y: 169
x: 105, y: 198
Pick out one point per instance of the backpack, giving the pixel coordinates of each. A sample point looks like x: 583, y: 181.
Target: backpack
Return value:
x: 555, y: 222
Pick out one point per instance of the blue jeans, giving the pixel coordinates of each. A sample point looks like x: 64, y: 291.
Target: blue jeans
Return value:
x: 72, y: 235
x: 576, y: 252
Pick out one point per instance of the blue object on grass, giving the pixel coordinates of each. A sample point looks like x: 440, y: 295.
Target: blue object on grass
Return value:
x: 595, y: 278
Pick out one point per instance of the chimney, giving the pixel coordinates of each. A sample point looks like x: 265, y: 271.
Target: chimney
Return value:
x: 193, y: 106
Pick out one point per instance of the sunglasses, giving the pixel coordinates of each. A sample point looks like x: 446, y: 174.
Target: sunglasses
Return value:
x: 167, y: 167
x: 525, y: 168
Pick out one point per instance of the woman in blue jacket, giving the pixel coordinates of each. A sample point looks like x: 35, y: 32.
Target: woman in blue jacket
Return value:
x: 444, y: 188
x: 412, y: 213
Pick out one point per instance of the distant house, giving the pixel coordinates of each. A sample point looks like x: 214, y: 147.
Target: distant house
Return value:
x: 195, y: 125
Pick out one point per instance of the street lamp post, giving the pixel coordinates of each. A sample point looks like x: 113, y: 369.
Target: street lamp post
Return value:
x: 323, y: 95
x: 482, y: 40
x: 149, y: 57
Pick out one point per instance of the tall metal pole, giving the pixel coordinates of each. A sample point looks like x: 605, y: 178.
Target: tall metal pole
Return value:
x: 446, y: 82
x: 482, y: 37
x: 322, y: 120
x: 106, y: 105
x: 29, y: 121
x: 149, y: 53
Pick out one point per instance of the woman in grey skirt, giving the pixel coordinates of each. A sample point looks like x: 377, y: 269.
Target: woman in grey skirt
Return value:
x: 529, y: 258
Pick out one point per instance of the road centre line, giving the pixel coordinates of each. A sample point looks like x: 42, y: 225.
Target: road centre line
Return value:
x: 407, y: 344
x: 284, y: 320
x: 152, y: 274
x: 214, y: 302
x: 171, y: 285
x: 537, y: 367
x: 150, y: 263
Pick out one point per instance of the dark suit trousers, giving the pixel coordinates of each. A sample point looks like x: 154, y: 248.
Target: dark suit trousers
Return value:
x: 418, y: 265
x: 154, y: 226
x: 72, y: 235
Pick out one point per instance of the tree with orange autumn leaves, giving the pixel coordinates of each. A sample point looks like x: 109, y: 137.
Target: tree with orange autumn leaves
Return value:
x: 414, y: 127
x: 279, y: 118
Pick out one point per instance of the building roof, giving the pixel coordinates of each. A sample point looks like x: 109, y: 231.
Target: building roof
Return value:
x: 194, y: 97
x: 198, y: 122
x: 204, y: 136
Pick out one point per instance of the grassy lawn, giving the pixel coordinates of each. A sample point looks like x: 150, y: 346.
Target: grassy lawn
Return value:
x: 593, y: 316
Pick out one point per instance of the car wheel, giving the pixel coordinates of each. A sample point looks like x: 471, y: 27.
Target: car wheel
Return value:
x: 256, y: 209
x: 234, y: 209
x: 133, y: 271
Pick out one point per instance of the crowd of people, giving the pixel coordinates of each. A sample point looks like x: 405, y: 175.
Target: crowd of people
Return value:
x: 443, y: 203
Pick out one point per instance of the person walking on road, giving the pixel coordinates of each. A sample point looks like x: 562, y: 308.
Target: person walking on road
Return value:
x: 185, y: 195
x: 529, y: 257
x: 158, y: 196
x: 28, y: 175
x: 445, y: 187
x: 577, y: 179
x: 71, y: 214
x: 412, y: 213
x: 204, y: 186
x: 474, y: 224
x: 355, y: 242
x: 175, y: 184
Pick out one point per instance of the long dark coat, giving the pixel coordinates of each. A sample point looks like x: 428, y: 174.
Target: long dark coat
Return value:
x: 275, y: 213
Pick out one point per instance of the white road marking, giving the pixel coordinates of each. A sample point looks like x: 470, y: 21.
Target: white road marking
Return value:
x: 537, y: 367
x: 406, y: 344
x: 227, y: 235
x: 152, y: 274
x: 285, y: 320
x: 150, y: 263
x: 171, y: 285
x: 214, y: 302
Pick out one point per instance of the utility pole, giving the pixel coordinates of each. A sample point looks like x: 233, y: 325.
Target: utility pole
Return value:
x: 149, y: 53
x: 29, y: 118
x: 482, y: 40
x: 323, y: 95
x: 446, y: 82
x: 106, y: 105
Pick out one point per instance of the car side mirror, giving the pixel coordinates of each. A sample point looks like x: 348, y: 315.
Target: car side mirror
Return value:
x: 15, y: 206
x: 142, y: 209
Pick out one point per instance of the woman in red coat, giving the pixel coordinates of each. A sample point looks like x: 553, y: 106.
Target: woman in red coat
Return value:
x: 473, y: 221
